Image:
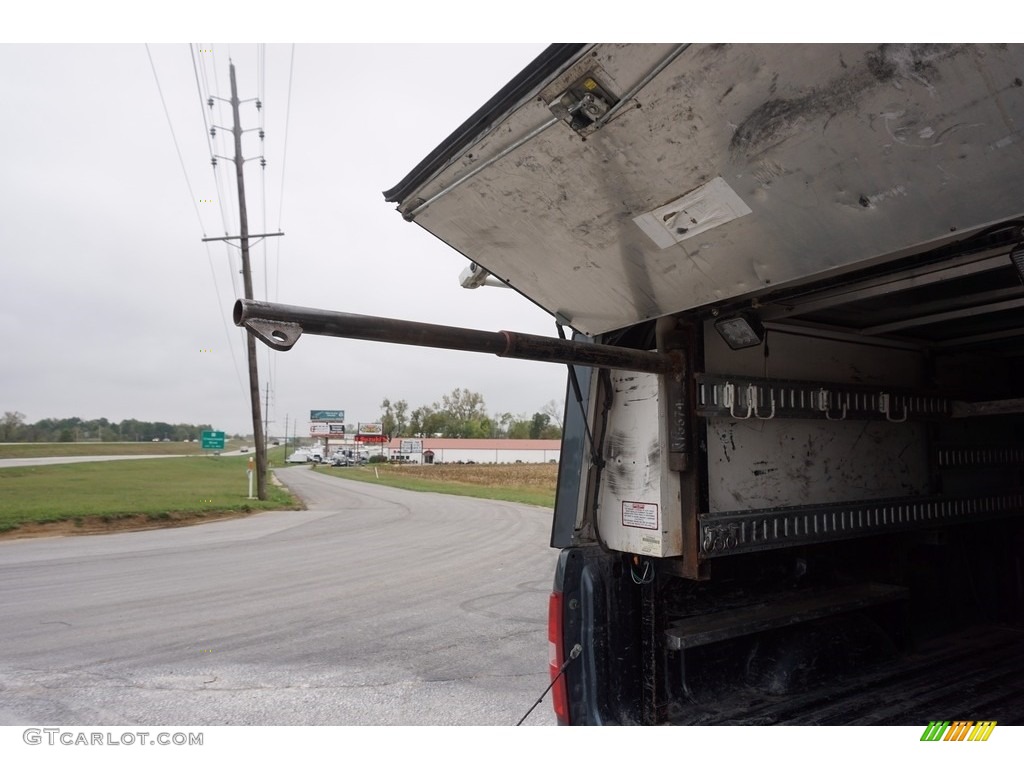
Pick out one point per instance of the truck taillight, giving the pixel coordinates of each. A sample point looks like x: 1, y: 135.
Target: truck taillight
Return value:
x: 556, y: 657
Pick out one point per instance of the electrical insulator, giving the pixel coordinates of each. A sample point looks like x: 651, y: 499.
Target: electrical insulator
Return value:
x: 209, y: 102
x: 263, y: 162
x: 213, y: 161
x: 259, y: 104
x: 213, y: 132
x: 262, y: 134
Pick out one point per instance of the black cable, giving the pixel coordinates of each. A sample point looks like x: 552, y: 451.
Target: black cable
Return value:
x: 576, y: 650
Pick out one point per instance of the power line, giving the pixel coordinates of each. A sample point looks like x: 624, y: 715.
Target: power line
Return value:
x: 209, y: 143
x: 284, y: 163
x: 174, y: 138
x: 234, y: 269
x: 280, y: 210
x: 229, y: 254
x: 261, y: 73
x: 195, y: 206
x: 224, y: 322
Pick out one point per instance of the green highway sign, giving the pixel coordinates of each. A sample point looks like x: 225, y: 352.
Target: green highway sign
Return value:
x: 213, y: 441
x: 326, y: 415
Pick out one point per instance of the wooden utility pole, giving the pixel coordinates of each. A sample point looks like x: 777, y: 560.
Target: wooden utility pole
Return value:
x: 243, y: 223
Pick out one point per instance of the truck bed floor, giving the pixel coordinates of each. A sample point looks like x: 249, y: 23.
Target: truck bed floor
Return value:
x: 976, y: 674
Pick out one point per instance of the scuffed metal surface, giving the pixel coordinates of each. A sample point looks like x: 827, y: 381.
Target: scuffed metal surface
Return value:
x: 843, y: 153
x: 777, y: 119
x: 781, y: 464
x: 638, y: 507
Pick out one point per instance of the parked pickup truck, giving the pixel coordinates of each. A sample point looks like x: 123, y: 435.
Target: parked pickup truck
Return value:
x: 792, y: 477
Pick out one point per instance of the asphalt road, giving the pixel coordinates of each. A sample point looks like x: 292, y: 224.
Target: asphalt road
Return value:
x: 37, y: 461
x: 373, y: 606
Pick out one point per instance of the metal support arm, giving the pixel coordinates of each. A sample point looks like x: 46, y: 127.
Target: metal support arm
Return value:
x: 280, y: 325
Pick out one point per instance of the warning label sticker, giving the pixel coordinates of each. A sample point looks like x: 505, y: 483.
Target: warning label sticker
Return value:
x: 639, y: 514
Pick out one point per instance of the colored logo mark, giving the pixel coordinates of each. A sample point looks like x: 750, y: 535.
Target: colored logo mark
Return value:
x: 958, y: 730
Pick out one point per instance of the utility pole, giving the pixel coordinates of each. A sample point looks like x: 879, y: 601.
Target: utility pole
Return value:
x: 258, y: 429
x: 243, y: 224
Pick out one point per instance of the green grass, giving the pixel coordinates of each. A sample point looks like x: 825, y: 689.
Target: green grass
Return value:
x: 156, y: 489
x: 395, y: 478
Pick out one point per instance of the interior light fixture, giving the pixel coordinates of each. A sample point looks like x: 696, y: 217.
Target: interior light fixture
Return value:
x: 744, y: 329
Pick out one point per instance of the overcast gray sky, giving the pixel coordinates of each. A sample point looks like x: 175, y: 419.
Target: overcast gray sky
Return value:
x: 110, y: 301
x: 113, y: 307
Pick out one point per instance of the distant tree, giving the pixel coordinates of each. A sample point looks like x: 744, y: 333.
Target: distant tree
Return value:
x: 130, y: 430
x: 519, y: 429
x: 537, y: 424
x: 394, y: 417
x: 463, y: 414
x: 417, y: 421
x: 387, y: 417
x: 463, y: 405
x: 501, y: 423
x: 401, y: 409
x: 551, y: 432
x: 434, y: 422
x: 555, y: 411
x: 66, y: 436
x: 11, y: 426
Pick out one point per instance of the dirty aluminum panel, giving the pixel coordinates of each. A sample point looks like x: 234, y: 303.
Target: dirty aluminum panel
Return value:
x: 844, y: 154
x: 757, y: 464
x: 763, y: 464
x: 638, y: 509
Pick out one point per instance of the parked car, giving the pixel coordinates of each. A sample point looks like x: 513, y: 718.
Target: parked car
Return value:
x: 298, y: 457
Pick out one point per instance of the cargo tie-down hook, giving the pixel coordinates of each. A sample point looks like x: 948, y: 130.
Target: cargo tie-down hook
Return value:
x: 885, y: 406
x: 825, y: 406
x: 754, y: 395
x: 729, y: 401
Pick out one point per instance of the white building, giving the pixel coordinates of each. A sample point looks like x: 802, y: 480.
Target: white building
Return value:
x: 437, y: 450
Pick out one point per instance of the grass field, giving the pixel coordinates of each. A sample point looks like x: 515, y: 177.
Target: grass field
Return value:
x: 525, y: 483
x: 118, y: 494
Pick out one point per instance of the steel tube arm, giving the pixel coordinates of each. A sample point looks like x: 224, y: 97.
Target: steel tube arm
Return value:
x: 280, y: 325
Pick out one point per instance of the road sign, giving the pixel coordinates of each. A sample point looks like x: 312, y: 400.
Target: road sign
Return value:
x: 326, y: 415
x: 213, y: 441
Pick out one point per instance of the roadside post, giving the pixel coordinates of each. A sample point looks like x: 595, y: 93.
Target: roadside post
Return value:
x: 250, y: 471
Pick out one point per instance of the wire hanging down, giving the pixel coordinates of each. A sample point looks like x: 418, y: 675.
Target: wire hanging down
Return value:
x: 575, y: 652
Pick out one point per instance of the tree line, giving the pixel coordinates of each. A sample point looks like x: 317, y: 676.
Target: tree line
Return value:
x: 463, y: 413
x: 13, y: 429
